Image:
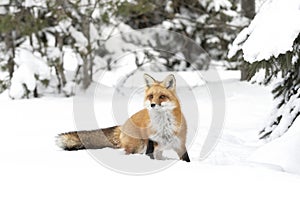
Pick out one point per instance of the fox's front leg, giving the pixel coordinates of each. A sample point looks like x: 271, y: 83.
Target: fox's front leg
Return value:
x: 185, y: 157
x: 153, y: 150
x: 182, y: 153
x: 150, y: 148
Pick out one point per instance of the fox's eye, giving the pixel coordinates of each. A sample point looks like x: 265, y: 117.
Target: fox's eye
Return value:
x: 150, y: 96
x: 162, y: 97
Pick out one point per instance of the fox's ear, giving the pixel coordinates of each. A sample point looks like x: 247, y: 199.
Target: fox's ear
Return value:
x: 149, y: 80
x: 170, y: 82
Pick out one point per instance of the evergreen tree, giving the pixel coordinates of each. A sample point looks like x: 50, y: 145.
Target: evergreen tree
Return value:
x: 286, y: 91
x: 278, y: 57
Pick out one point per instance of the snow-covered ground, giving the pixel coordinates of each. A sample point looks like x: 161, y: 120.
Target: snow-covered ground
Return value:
x: 33, y: 168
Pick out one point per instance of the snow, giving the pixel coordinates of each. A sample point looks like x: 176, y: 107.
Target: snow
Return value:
x: 33, y: 3
x: 4, y: 2
x: 29, y: 66
x: 53, y: 53
x: 169, y: 7
x: 258, y: 4
x: 288, y: 113
x: 63, y: 25
x: 271, y: 32
x: 22, y: 76
x: 4, y: 75
x: 218, y: 4
x: 94, y: 36
x: 283, y: 152
x: 81, y: 40
x: 240, y: 168
x: 192, y: 79
x: 3, y: 11
x: 69, y: 88
x: 70, y: 61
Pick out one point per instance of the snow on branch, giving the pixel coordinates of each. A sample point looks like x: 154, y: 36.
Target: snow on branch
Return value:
x: 30, y: 67
x: 271, y: 33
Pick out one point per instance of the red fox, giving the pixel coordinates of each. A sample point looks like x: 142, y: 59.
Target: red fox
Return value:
x: 158, y: 127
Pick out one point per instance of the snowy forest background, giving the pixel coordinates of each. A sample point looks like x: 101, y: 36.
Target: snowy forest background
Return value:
x: 50, y: 47
x: 39, y: 38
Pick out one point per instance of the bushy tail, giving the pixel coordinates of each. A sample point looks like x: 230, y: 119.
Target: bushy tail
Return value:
x: 94, y: 139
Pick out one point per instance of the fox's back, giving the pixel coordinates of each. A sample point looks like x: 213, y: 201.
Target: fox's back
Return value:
x: 138, y: 125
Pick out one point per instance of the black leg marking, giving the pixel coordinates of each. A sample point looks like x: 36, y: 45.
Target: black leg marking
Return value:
x: 150, y: 149
x: 185, y: 157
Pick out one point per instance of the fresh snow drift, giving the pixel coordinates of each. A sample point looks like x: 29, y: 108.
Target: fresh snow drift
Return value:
x: 283, y: 152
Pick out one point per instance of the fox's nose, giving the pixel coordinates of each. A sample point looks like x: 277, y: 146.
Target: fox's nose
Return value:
x: 152, y: 105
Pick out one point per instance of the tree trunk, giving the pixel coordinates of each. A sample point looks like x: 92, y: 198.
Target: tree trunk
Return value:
x: 86, y: 56
x: 60, y: 74
x: 60, y: 44
x: 86, y: 78
x: 248, y: 8
x: 244, y: 73
x: 10, y: 49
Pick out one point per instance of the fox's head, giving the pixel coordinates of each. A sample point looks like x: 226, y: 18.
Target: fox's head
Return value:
x: 160, y: 95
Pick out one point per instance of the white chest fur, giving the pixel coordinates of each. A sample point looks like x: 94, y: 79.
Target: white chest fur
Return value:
x: 163, y: 124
